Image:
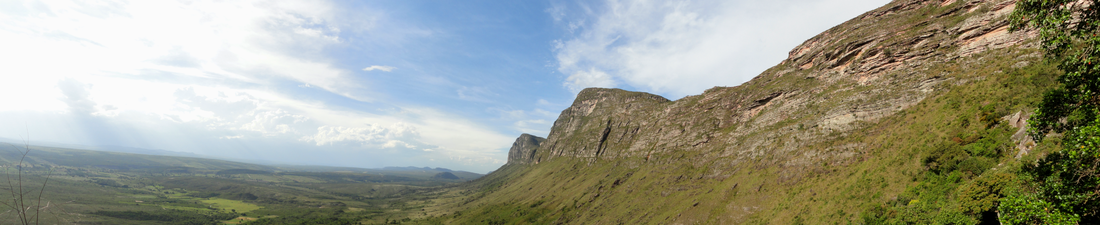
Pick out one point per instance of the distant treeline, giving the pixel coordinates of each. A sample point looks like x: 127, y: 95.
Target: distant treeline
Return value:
x: 241, y: 171
x: 356, y: 177
x: 170, y: 216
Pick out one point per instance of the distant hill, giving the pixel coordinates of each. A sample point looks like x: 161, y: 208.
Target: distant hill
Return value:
x: 445, y: 176
x: 413, y: 168
x: 414, y: 172
x: 130, y: 158
x: 108, y: 148
x: 54, y: 156
x: 133, y: 162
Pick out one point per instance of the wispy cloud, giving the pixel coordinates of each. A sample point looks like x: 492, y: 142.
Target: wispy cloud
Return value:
x: 683, y: 47
x: 380, y: 68
x: 76, y: 96
x: 185, y: 75
x: 592, y: 77
x: 368, y: 135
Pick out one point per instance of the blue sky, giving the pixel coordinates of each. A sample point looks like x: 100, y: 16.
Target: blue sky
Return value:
x: 366, y: 83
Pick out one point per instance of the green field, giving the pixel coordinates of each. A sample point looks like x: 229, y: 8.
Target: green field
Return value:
x: 92, y: 187
x: 231, y: 205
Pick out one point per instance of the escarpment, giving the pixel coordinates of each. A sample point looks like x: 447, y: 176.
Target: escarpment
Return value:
x: 523, y: 150
x: 849, y: 123
x: 865, y: 69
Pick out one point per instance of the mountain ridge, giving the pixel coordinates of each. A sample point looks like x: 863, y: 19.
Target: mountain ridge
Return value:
x: 860, y: 60
x: 851, y: 120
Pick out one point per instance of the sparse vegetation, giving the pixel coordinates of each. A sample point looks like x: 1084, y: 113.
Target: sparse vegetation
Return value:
x: 1064, y: 186
x: 138, y: 189
x: 25, y: 203
x: 940, y: 147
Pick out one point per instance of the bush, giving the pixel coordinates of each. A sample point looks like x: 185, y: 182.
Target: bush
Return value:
x: 1028, y: 209
x: 984, y: 193
x: 944, y: 158
x: 1068, y: 181
x: 975, y: 165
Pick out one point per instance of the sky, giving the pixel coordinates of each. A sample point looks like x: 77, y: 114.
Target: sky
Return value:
x: 366, y: 83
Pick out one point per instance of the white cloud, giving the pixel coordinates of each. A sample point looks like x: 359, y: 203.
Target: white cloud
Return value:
x: 588, y: 78
x: 186, y: 75
x: 381, y: 68
x: 544, y: 113
x: 536, y: 127
x: 236, y: 41
x: 477, y: 94
x: 76, y: 95
x: 367, y: 135
x: 684, y: 47
x: 458, y: 135
x: 274, y: 122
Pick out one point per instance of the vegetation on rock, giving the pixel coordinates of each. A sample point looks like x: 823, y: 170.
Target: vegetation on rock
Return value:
x: 1064, y: 186
x: 913, y: 113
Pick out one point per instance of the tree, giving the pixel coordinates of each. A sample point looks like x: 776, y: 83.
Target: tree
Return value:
x: 21, y: 196
x: 1066, y: 186
x: 1068, y: 32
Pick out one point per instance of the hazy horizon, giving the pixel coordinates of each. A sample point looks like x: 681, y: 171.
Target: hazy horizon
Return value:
x: 366, y: 84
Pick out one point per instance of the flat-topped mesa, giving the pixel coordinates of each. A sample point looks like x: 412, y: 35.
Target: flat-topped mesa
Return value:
x: 523, y: 150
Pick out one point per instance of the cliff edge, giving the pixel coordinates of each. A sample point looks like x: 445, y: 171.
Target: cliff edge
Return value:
x: 523, y: 150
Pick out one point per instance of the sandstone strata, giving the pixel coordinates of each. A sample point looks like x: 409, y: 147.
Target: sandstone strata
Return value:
x: 851, y: 75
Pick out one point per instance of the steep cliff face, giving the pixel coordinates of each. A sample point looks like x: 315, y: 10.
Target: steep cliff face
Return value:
x: 870, y: 67
x: 846, y: 122
x: 523, y: 150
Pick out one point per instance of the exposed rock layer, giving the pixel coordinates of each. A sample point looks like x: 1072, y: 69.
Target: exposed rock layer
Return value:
x: 523, y: 150
x: 867, y: 68
x: 820, y: 136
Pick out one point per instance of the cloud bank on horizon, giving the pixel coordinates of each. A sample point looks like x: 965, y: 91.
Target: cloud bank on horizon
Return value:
x: 365, y: 84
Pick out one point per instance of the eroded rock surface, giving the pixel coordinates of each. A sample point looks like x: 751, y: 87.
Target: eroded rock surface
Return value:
x: 523, y: 150
x: 851, y: 75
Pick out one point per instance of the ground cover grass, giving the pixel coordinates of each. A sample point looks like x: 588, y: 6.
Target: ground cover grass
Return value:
x: 231, y: 205
x: 934, y: 162
x: 94, y: 194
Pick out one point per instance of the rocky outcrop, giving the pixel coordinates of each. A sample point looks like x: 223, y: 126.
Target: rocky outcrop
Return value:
x: 851, y: 75
x: 1024, y: 142
x: 848, y: 121
x: 523, y: 150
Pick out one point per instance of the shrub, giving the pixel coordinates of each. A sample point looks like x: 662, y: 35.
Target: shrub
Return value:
x: 984, y: 193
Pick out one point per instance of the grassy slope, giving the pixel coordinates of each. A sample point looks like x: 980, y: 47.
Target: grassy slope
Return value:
x: 888, y: 181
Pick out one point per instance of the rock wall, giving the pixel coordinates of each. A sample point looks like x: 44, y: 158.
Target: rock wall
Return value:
x: 867, y: 68
x: 523, y: 150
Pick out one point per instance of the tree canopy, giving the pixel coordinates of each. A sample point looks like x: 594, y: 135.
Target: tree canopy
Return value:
x: 1065, y: 187
x: 1068, y: 32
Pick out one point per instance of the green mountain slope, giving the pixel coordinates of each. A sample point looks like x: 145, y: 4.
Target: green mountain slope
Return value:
x: 904, y: 114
